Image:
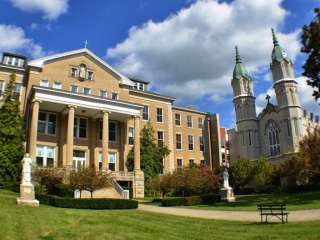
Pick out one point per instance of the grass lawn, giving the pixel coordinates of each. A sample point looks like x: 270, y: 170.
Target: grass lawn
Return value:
x: 17, y: 222
x: 295, y: 201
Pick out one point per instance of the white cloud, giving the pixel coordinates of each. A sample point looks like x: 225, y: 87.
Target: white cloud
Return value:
x: 305, y: 95
x: 51, y: 9
x: 191, y: 53
x: 13, y: 38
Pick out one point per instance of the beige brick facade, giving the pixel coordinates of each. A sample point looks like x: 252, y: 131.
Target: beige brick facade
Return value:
x: 67, y: 99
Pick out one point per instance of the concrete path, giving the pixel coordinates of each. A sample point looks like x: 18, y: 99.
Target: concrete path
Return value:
x: 294, y: 216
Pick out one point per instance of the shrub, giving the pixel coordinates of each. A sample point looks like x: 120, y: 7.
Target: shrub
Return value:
x: 241, y: 172
x: 87, y: 203
x: 172, y: 201
x: 62, y: 190
x: 12, y: 186
x: 188, y: 182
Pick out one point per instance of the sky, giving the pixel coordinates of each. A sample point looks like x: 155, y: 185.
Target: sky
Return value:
x: 185, y: 48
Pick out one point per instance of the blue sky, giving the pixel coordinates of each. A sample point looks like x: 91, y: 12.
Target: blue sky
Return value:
x: 185, y: 48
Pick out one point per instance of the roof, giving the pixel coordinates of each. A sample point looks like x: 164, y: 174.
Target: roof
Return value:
x: 153, y: 94
x: 239, y: 69
x: 14, y: 54
x: 138, y: 80
x: 41, y: 61
x: 278, y: 54
x: 189, y: 110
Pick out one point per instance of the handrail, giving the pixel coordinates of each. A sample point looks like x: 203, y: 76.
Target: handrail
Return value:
x: 123, y: 193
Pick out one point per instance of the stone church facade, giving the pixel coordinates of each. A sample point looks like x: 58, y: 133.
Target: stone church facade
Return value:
x: 274, y: 133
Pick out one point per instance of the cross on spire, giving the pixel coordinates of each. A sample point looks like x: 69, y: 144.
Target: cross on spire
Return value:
x: 268, y: 98
x: 85, y: 43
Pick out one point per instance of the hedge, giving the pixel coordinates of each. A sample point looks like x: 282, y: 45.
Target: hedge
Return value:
x: 96, y: 203
x: 189, y: 201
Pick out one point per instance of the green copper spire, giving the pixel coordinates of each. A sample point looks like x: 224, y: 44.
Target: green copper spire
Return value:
x: 239, y: 69
x: 278, y: 54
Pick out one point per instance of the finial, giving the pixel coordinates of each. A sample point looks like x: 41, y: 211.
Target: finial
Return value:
x: 275, y: 40
x: 85, y: 43
x: 238, y: 58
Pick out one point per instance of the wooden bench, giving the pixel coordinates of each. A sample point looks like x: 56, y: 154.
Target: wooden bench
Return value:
x: 278, y: 210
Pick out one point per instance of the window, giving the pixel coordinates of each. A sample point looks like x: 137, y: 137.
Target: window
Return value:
x: 114, y: 96
x: 57, y: 85
x: 178, y: 141
x: 17, y: 90
x: 80, y: 127
x: 160, y: 138
x: 190, y: 143
x: 45, y: 156
x: 145, y: 113
x: 2, y: 88
x: 79, y: 159
x: 200, y: 122
x: 112, y: 131
x: 159, y: 115
x: 191, y: 163
x: 288, y: 127
x: 180, y: 163
x: 178, y: 119
x: 103, y: 93
x: 47, y: 123
x: 250, y: 137
x: 44, y: 83
x: 140, y: 86
x: 87, y: 91
x: 201, y: 143
x: 131, y: 135
x: 189, y: 121
x: 112, y: 161
x: 74, y: 88
x: 273, y: 137
x: 73, y: 72
x: 203, y: 162
x: 90, y: 75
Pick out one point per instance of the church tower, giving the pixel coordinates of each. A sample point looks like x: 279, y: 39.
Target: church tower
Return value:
x: 245, y: 108
x: 286, y: 90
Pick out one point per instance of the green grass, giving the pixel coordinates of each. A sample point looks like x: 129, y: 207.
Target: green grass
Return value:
x: 17, y: 222
x: 295, y: 201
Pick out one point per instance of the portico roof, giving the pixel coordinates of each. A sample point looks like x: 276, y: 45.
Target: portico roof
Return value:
x: 64, y: 98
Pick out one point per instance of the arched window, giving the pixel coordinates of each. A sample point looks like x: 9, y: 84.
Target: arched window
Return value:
x: 272, y: 133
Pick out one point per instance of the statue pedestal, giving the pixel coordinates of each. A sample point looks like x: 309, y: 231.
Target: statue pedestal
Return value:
x: 27, y: 196
x: 227, y: 194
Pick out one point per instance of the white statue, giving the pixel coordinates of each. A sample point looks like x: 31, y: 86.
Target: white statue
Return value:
x: 26, y: 169
x: 83, y: 71
x: 226, y: 179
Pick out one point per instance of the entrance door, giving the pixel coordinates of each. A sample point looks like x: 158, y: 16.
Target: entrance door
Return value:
x: 79, y: 159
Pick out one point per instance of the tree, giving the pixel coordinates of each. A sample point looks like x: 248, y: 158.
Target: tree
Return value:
x: 11, y: 136
x: 151, y: 154
x: 311, y: 46
x: 197, y: 180
x: 263, y: 173
x: 310, y: 152
x: 241, y: 172
x: 90, y: 180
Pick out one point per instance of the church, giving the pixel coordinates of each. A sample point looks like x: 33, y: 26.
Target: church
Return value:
x: 274, y: 133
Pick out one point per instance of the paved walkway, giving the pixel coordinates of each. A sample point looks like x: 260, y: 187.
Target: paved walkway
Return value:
x: 294, y: 216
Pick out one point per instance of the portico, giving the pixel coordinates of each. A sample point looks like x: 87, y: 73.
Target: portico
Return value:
x: 82, y: 131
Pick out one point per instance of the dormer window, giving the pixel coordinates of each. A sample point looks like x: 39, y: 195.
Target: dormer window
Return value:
x: 13, y: 61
